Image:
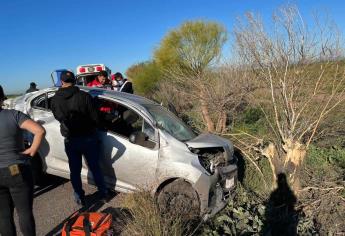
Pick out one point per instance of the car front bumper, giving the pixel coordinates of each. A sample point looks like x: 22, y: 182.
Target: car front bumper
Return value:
x: 223, y: 191
x: 219, y: 190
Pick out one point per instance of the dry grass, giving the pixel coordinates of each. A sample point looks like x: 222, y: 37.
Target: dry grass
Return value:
x: 146, y: 218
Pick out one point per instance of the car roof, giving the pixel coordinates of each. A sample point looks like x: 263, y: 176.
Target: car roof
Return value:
x: 125, y: 97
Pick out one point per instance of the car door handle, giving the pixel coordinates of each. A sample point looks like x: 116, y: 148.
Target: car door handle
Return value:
x: 41, y: 122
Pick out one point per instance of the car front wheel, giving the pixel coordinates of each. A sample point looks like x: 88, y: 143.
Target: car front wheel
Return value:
x: 179, y: 199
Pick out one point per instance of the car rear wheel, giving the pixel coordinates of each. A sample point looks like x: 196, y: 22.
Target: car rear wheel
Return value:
x: 179, y: 199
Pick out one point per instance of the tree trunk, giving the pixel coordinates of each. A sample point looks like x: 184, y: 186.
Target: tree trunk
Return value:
x: 288, y: 162
x: 204, y: 109
x: 206, y: 116
x: 295, y: 154
x: 221, y: 123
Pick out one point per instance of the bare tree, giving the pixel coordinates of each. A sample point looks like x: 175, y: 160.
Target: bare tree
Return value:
x: 220, y: 93
x: 229, y: 87
x: 300, y: 82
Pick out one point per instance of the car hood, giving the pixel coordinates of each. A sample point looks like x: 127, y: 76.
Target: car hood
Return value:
x: 206, y: 140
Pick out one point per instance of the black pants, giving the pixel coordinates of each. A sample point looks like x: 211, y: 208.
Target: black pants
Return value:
x: 88, y: 146
x: 16, y: 191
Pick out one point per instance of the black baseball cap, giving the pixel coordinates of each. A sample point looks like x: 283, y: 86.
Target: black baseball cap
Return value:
x: 2, y: 94
x: 67, y: 76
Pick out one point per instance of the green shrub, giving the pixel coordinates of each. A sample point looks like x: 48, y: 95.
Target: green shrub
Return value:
x: 321, y: 158
x: 324, y: 164
x: 244, y: 215
x: 252, y: 114
x: 252, y: 121
x: 13, y: 95
x: 259, y: 128
x: 145, y: 77
x: 253, y: 181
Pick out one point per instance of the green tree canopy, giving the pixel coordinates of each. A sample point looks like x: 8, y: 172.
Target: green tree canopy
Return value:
x: 144, y: 76
x: 192, y: 47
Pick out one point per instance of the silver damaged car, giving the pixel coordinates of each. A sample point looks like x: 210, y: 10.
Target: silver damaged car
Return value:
x: 155, y: 151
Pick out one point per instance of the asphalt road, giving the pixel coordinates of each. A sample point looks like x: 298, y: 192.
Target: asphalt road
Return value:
x: 54, y: 203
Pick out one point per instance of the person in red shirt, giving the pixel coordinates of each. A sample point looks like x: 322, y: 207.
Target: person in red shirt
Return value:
x: 100, y: 81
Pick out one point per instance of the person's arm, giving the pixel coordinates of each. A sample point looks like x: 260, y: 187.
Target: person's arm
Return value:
x: 38, y: 131
x: 56, y: 110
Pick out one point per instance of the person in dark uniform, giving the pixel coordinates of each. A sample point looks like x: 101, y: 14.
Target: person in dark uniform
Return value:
x: 78, y: 117
x: 33, y: 88
x: 121, y: 84
x: 16, y: 181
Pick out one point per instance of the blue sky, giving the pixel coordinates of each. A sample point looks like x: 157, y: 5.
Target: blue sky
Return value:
x: 38, y: 36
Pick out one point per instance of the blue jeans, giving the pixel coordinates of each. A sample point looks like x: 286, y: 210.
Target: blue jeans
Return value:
x: 89, y: 146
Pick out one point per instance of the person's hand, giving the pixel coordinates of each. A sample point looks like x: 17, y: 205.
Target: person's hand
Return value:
x: 30, y: 152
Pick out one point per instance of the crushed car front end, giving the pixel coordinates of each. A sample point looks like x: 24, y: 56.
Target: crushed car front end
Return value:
x: 205, y: 161
x: 216, y: 185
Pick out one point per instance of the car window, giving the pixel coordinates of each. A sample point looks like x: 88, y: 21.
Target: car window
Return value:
x: 43, y: 101
x: 170, y: 123
x: 138, y: 125
x: 122, y: 120
x: 149, y: 131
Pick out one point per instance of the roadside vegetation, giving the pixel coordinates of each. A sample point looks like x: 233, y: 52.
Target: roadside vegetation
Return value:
x: 12, y: 95
x: 280, y: 99
x: 147, y: 218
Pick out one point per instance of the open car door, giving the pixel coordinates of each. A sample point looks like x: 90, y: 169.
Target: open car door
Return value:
x: 56, y: 76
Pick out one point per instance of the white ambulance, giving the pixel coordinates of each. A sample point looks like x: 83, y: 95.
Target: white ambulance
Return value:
x: 87, y: 73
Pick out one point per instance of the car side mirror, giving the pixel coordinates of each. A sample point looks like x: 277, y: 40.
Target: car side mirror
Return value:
x: 140, y: 138
x: 137, y: 137
x: 132, y: 138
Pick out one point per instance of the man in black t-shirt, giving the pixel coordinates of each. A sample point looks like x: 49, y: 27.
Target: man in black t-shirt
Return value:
x: 16, y: 182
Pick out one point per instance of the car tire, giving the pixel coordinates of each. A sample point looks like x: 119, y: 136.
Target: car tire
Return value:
x: 179, y: 199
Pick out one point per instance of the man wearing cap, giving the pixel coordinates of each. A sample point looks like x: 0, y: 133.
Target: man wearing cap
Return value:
x: 78, y: 117
x: 16, y: 181
x: 33, y: 88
